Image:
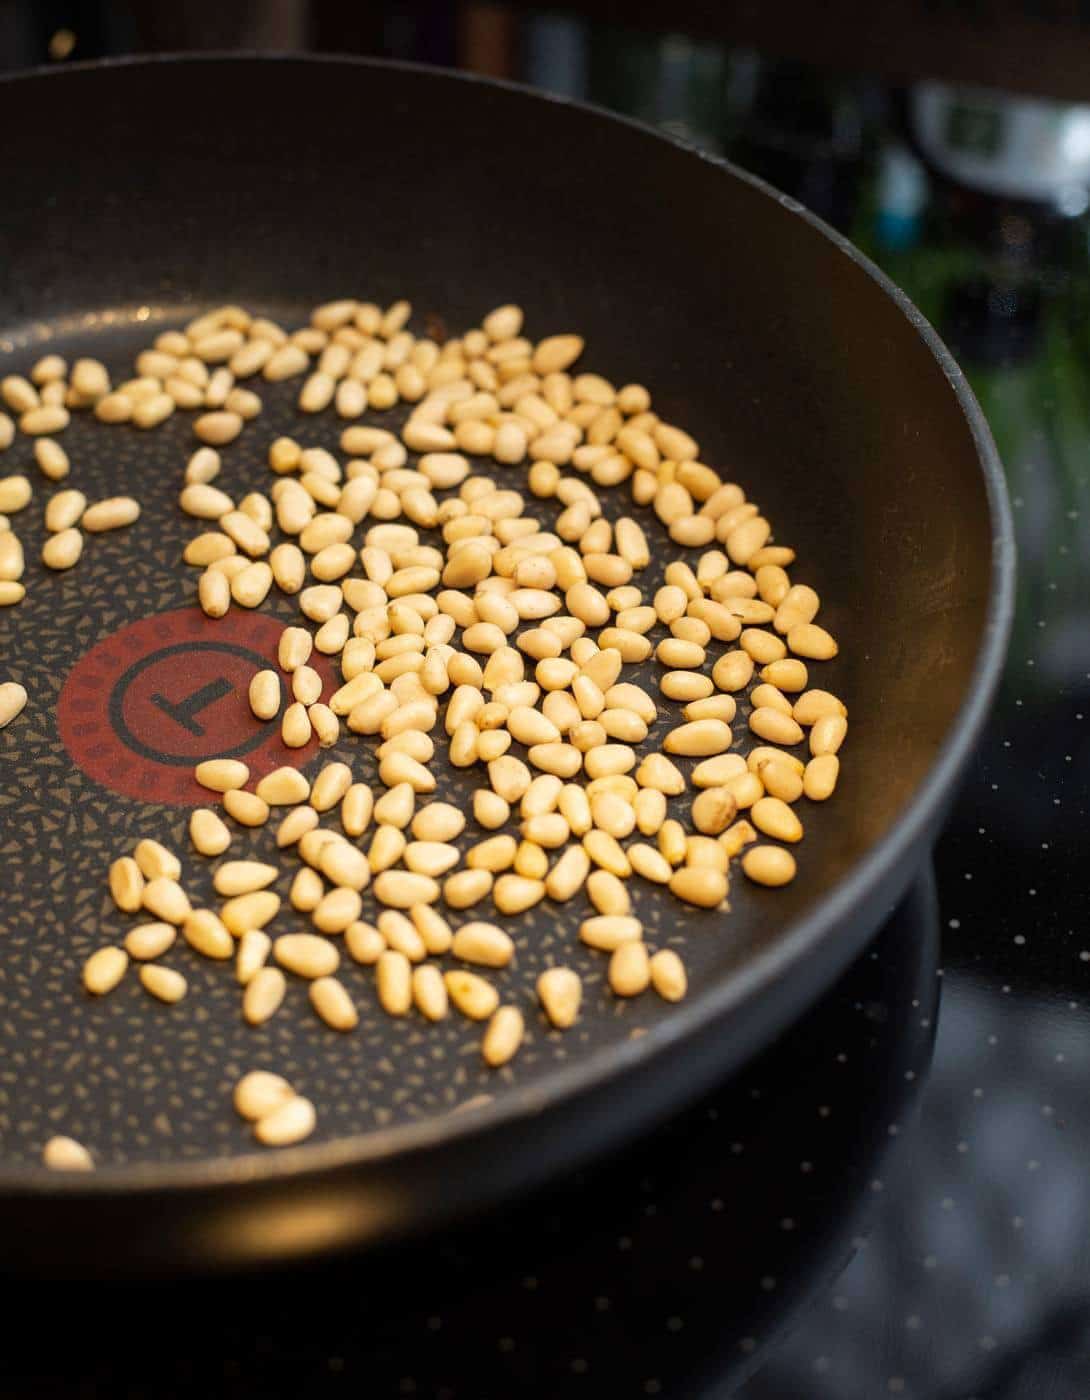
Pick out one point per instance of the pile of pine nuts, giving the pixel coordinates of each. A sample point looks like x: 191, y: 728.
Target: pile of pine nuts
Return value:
x: 452, y: 608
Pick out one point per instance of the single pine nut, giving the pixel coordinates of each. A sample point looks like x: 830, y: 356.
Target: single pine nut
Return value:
x: 205, y: 932
x: 246, y: 807
x: 815, y: 705
x: 12, y: 560
x: 65, y: 1154
x: 222, y: 774
x: 253, y: 951
x: 265, y: 695
x: 608, y: 931
x: 512, y: 894
x: 503, y: 1037
x: 812, y: 642
x: 769, y: 865
x: 333, y: 1004
x: 292, y: 1121
x: 242, y: 876
x: 775, y: 818
x: 393, y: 982
x: 364, y: 943
x: 668, y: 975
x: 64, y: 511
x: 258, y: 1093
x: 295, y: 728
x: 699, y: 738
x: 148, y: 941
x: 429, y: 992
x: 155, y: 860
x: 264, y: 992
x: 247, y: 911
x: 629, y: 969
x: 15, y: 494
x: 62, y: 551
x: 127, y: 884
x: 714, y: 810
x: 775, y: 726
x: 471, y: 995
x: 568, y: 875
x: 700, y: 885
x: 306, y: 954
x: 819, y: 780
x: 104, y: 969
x: 50, y: 418
x: 207, y: 832
x: 400, y: 889
x: 484, y: 944
x: 51, y: 458
x: 649, y: 863
x: 218, y: 428
x: 164, y: 983
x: 827, y: 735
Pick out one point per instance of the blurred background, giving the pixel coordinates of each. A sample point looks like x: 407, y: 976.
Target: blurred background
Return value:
x: 950, y: 140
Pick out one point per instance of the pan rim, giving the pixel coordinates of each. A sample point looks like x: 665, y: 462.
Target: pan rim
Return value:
x: 798, y: 939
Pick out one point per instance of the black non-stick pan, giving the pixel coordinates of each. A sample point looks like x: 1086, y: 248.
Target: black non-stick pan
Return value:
x: 136, y: 192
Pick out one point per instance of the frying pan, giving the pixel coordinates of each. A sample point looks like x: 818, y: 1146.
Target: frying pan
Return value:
x: 141, y: 191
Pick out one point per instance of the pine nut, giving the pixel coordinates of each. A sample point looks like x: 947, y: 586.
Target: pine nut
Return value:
x: 265, y: 695
x: 769, y: 865
x: 207, y: 832
x: 221, y: 774
x: 253, y: 951
x: 700, y: 885
x: 65, y: 1154
x: 472, y: 995
x: 154, y: 860
x: 259, y: 1093
x: 15, y: 494
x: 104, y: 969
x: 330, y: 999
x: 205, y: 932
x: 292, y: 1121
x: 812, y: 642
x: 775, y: 818
x: 163, y: 983
x: 699, y: 738
x: 629, y: 969
x: 218, y: 428
x: 393, y: 982
x: 827, y: 735
x: 400, y: 889
x: 484, y: 944
x: 607, y: 893
x: 776, y: 727
x: 62, y: 551
x: 12, y: 561
x: 51, y: 458
x: 247, y: 911
x: 247, y: 808
x: 503, y: 1037
x: 50, y: 418
x: 607, y: 932
x: 649, y: 863
x: 306, y: 954
x: 815, y: 705
x: 364, y: 943
x: 243, y: 876
x: 261, y: 999
x: 668, y: 975
x: 127, y: 884
x: 819, y: 781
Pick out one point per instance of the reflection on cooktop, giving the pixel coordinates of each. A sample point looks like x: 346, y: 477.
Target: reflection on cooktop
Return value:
x: 669, y: 1270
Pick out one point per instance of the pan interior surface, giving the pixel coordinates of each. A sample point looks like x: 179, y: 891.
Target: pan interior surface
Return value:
x: 799, y: 375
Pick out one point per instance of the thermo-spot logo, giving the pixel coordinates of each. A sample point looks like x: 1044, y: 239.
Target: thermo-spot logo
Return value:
x: 144, y: 706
